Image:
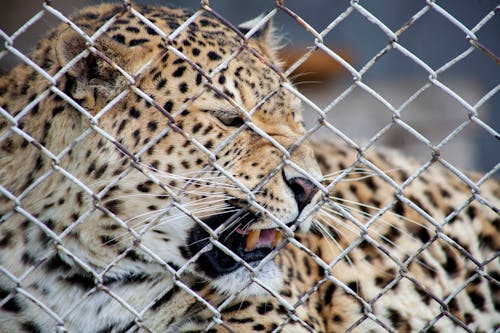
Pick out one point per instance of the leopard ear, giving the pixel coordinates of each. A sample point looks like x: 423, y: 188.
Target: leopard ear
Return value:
x: 68, y: 45
x: 93, y: 71
x: 265, y: 35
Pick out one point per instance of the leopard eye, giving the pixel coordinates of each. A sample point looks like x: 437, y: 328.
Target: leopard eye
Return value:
x: 228, y: 119
x: 234, y: 121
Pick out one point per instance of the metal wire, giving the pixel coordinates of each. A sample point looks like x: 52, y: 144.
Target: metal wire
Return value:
x: 362, y: 228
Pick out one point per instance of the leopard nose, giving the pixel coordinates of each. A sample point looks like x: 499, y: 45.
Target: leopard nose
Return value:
x: 303, y: 189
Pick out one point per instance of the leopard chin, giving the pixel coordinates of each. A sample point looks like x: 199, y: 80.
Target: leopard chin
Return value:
x: 240, y: 283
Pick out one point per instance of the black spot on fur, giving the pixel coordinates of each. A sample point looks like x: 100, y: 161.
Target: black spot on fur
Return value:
x: 198, y: 79
x: 477, y: 299
x: 399, y: 208
x: 151, y: 31
x: 329, y: 293
x: 213, y: 55
x: 161, y: 84
x: 337, y: 318
x: 133, y: 29
x: 486, y: 240
x: 426, y: 298
x: 144, y: 187
x: 56, y: 263
x: 83, y: 281
x: 209, y: 144
x: 398, y: 322
x: 196, y: 128
x: 90, y: 16
x: 371, y: 184
x: 237, y: 307
x: 108, y: 240
x: 31, y: 327
x: 391, y: 236
x: 6, y: 239
x: 113, y: 327
x: 355, y: 287
x: 57, y: 110
x: 469, y: 318
x: 179, y: 71
x: 100, y: 171
x: 264, y: 308
x: 79, y: 198
x: 119, y: 38
x: 240, y: 320
x: 165, y: 298
x: 422, y: 234
x: 139, y: 41
x: 432, y: 199
x: 432, y: 329
x: 184, y: 252
x: 444, y: 193
x: 453, y: 306
x: 12, y: 305
x: 134, y: 113
x: 471, y: 212
x: 153, y: 126
x: 451, y: 265
x: 183, y: 87
x: 113, y: 206
x: 307, y: 266
x: 28, y: 259
x: 122, y: 125
x: 168, y: 106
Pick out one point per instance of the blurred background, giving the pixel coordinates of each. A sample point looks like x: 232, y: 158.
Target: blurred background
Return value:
x: 432, y: 38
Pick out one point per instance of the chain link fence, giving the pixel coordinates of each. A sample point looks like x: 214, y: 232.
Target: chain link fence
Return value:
x: 367, y: 223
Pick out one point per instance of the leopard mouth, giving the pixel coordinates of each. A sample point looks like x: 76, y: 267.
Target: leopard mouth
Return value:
x: 251, y: 245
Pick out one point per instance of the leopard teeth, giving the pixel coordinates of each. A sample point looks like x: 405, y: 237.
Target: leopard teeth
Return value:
x: 252, y: 240
x: 276, y: 239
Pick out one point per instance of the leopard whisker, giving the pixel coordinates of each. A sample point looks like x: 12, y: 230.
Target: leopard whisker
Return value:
x: 236, y: 221
x: 205, y: 201
x: 362, y: 171
x: 171, y: 219
x: 325, y: 218
x: 330, y: 215
x: 221, y: 209
x: 328, y: 235
x: 182, y: 214
x: 210, y: 180
x: 208, y: 204
x: 380, y: 209
x: 353, y: 171
x: 382, y: 236
x: 297, y: 84
x: 292, y: 78
x: 209, y: 195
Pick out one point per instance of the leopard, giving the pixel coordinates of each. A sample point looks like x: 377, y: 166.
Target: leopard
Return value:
x: 157, y: 176
x: 377, y: 262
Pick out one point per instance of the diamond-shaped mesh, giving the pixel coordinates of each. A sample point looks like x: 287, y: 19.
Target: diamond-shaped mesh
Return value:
x: 389, y: 249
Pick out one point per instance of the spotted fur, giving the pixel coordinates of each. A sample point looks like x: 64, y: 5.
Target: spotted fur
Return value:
x: 385, y: 282
x: 141, y: 206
